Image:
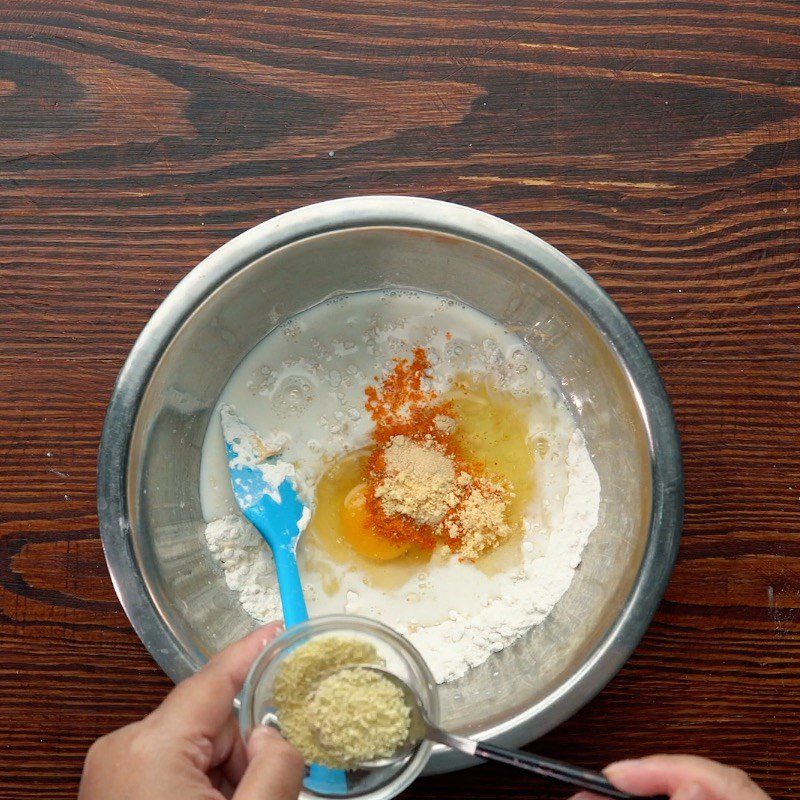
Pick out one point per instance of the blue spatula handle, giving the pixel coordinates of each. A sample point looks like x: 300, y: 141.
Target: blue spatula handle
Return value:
x: 294, y: 604
x: 292, y: 600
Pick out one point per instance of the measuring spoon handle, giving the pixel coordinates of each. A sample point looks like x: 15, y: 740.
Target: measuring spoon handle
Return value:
x: 557, y: 770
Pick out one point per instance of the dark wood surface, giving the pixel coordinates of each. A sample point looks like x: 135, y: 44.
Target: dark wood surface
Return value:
x: 657, y: 142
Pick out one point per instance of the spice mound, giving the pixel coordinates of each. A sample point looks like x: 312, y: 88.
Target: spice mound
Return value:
x: 358, y: 715
x: 335, y: 713
x: 421, y: 488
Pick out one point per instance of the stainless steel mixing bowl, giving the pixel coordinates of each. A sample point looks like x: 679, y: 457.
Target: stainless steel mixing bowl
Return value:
x: 148, y: 486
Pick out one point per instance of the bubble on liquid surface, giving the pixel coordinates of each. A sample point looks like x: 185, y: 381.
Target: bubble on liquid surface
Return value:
x: 492, y: 354
x: 541, y: 446
x: 455, y: 348
x: 293, y: 395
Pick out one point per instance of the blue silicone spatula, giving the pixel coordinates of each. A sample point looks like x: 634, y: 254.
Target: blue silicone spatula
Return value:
x: 265, y: 490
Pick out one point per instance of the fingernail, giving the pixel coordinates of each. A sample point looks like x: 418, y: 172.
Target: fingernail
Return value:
x: 271, y: 632
x: 263, y: 734
x: 619, y: 770
x: 623, y: 765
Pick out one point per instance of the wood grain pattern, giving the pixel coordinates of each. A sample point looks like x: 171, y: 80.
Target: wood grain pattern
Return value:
x: 657, y: 142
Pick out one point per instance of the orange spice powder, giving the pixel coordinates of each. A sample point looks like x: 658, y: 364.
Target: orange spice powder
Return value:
x: 402, y: 406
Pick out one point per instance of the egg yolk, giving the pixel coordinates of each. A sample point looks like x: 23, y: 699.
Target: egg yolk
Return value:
x: 358, y: 533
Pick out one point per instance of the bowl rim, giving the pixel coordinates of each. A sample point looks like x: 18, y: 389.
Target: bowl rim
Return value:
x: 437, y: 216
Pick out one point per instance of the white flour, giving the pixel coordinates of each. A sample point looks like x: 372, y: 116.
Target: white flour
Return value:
x: 251, y: 450
x: 247, y: 562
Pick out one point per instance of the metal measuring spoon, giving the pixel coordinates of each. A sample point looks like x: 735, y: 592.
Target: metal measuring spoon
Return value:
x: 421, y: 728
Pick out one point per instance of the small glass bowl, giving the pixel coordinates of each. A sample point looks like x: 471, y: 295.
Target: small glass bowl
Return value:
x: 400, y: 657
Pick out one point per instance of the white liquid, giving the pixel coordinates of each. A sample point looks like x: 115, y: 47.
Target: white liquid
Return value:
x: 308, y: 377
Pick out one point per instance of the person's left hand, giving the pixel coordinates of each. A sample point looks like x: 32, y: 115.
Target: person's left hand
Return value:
x: 190, y: 747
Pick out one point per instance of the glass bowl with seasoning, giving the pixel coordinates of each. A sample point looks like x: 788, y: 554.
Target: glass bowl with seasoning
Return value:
x: 307, y: 683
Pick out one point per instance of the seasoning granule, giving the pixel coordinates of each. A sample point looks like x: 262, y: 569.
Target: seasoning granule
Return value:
x: 479, y: 522
x: 358, y: 715
x: 419, y: 480
x: 298, y: 677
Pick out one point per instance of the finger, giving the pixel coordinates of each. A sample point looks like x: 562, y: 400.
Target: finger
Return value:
x: 203, y: 703
x: 696, y: 778
x: 236, y: 762
x: 275, y: 769
x: 227, y: 749
x: 692, y: 791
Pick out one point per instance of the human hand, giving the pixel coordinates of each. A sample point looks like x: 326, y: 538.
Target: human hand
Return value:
x: 190, y: 747
x: 680, y: 778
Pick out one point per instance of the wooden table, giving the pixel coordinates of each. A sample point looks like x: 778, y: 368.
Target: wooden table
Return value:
x: 657, y: 142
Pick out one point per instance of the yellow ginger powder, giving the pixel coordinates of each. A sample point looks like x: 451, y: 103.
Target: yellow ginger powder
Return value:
x: 358, y: 715
x: 420, y: 481
x: 479, y: 521
x: 325, y: 730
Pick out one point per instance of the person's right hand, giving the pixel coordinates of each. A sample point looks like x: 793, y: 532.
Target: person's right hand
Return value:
x: 680, y: 778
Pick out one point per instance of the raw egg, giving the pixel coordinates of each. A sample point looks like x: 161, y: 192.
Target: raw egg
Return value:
x: 358, y: 533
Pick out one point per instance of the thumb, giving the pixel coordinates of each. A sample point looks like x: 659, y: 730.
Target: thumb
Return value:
x: 274, y: 770
x: 683, y: 778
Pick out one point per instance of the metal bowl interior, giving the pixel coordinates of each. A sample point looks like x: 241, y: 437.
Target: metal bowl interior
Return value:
x: 148, y: 495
